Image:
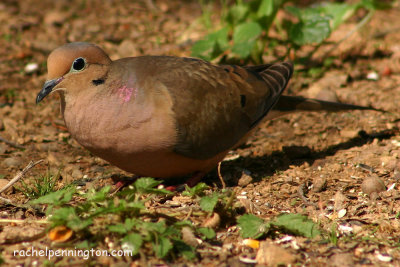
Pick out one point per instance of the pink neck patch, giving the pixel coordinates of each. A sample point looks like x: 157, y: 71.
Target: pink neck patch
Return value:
x: 125, y: 93
x: 127, y: 90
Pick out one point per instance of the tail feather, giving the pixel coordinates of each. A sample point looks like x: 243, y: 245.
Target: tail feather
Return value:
x: 276, y: 76
x: 289, y: 104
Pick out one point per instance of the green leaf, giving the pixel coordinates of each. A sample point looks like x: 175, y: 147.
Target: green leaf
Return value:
x: 132, y: 242
x: 196, y: 190
x: 333, y: 235
x: 314, y: 30
x: 377, y: 4
x: 117, y: 228
x: 295, y: 11
x: 184, y: 249
x: 125, y: 227
x: 266, y: 8
x: 208, y: 203
x: 252, y: 227
x: 155, y: 228
x: 67, y: 216
x: 181, y: 224
x: 339, y: 12
x: 204, y: 49
x: 266, y: 15
x: 86, y: 245
x: 244, y: 37
x: 147, y: 185
x: 212, y: 45
x: 237, y: 14
x: 162, y: 247
x: 297, y: 224
x: 98, y: 196
x: 56, y: 198
x: 315, y: 72
x: 62, y: 215
x: 206, y: 232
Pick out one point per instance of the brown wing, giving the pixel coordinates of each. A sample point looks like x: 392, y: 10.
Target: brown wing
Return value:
x: 217, y: 105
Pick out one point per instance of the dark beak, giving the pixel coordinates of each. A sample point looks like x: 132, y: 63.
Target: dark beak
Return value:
x: 47, y: 88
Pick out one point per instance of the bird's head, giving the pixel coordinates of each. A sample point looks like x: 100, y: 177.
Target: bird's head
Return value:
x: 73, y: 65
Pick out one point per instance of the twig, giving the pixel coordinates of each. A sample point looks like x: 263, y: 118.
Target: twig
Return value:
x: 23, y: 206
x: 220, y: 176
x: 5, y: 200
x: 189, y: 214
x: 23, y: 221
x: 301, y: 191
x: 21, y: 239
x: 13, y: 181
x: 11, y: 143
x: 20, y: 175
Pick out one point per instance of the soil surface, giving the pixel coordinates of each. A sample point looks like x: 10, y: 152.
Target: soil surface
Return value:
x: 316, y: 164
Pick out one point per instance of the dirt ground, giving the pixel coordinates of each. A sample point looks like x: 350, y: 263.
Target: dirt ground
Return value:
x: 285, y: 158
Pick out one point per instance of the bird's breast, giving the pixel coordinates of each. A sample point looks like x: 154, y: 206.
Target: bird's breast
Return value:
x: 107, y: 125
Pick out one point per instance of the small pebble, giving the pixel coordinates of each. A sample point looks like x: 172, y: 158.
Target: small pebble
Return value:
x: 383, y: 257
x: 340, y: 201
x: 374, y: 76
x: 12, y: 162
x: 372, y: 184
x: 386, y: 71
x: 31, y: 68
x: 127, y: 48
x: 54, y: 18
x: 272, y: 255
x: 349, y: 133
x: 188, y: 237
x: 341, y: 260
x: 76, y: 173
x: 3, y: 148
x: 319, y: 184
x: 342, y: 213
x: 245, y: 179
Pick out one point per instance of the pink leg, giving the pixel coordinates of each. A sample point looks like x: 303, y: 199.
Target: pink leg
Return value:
x: 122, y: 183
x: 192, y: 181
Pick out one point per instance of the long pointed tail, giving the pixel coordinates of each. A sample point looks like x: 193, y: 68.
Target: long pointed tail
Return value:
x: 289, y: 104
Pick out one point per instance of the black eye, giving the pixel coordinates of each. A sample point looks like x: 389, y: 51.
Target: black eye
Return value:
x: 78, y: 64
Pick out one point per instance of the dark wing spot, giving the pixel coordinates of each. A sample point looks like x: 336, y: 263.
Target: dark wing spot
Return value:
x: 98, y: 81
x: 236, y: 71
x: 243, y: 100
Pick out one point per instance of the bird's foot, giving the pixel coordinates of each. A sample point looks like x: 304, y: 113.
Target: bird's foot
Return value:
x: 192, y: 181
x: 122, y: 182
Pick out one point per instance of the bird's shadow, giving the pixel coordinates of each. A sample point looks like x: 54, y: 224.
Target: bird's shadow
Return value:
x: 280, y: 160
x: 267, y: 165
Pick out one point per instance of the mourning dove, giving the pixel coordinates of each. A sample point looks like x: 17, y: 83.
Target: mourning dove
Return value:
x: 165, y: 116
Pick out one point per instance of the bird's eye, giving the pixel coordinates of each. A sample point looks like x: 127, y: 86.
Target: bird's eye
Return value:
x: 78, y: 64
